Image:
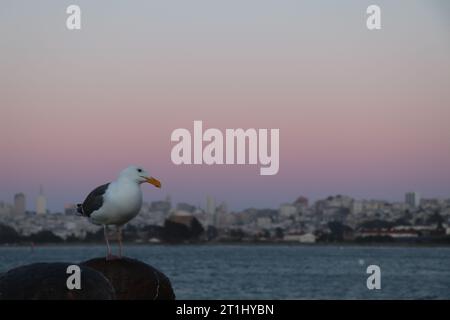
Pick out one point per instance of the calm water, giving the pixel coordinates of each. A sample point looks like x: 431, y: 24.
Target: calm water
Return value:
x: 274, y: 271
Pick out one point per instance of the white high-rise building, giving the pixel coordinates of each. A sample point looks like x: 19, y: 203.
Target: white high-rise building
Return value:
x: 412, y: 199
x: 210, y: 205
x: 41, y: 202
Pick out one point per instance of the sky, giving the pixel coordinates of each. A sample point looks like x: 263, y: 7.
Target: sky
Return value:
x: 362, y: 113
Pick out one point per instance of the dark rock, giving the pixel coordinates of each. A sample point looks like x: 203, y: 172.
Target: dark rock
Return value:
x: 47, y: 281
x: 133, y: 279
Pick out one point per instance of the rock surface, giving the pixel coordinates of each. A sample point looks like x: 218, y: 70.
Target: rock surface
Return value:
x: 48, y: 281
x: 133, y: 279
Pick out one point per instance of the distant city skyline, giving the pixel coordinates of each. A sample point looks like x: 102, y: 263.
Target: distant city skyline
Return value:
x: 361, y: 113
x: 209, y: 203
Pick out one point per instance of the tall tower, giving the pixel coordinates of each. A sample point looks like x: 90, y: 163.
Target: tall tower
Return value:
x: 412, y: 199
x: 41, y: 202
x: 19, y: 203
x: 211, y: 210
x: 210, y: 205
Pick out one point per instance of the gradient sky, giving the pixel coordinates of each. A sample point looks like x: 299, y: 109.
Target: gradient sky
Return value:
x: 363, y: 113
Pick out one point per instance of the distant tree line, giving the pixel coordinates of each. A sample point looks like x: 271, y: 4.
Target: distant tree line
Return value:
x: 171, y: 232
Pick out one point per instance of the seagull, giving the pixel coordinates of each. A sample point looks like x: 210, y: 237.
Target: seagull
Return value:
x: 117, y: 202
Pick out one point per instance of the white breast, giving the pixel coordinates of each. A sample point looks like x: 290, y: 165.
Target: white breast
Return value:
x: 121, y: 203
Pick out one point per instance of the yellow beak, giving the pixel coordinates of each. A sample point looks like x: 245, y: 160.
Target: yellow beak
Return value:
x: 154, y: 182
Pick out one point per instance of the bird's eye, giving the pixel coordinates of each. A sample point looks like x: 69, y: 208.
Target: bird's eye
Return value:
x: 139, y: 170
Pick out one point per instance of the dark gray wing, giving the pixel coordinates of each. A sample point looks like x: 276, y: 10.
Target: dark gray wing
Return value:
x: 93, y: 201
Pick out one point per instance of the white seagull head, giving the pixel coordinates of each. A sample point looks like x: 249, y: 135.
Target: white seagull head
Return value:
x: 138, y: 175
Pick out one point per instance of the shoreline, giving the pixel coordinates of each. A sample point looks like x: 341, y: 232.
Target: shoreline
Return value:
x: 237, y: 244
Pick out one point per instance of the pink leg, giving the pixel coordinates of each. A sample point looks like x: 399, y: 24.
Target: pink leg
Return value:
x: 119, y: 237
x: 105, y: 232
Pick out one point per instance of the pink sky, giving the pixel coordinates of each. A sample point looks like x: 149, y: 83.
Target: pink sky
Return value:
x: 360, y: 113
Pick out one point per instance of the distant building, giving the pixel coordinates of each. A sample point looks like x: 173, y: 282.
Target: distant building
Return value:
x: 221, y: 217
x: 178, y: 215
x: 70, y: 209
x: 357, y: 207
x: 301, y: 201
x: 163, y: 206
x: 303, y: 238
x: 430, y: 203
x: 287, y: 210
x: 222, y: 207
x: 224, y: 219
x: 264, y: 222
x: 339, y: 201
x: 412, y: 199
x: 5, y: 208
x: 210, y: 205
x: 41, y: 202
x: 19, y: 203
x: 211, y: 211
x: 185, y: 207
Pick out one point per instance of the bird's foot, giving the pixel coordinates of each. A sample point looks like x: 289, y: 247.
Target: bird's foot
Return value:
x: 110, y: 257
